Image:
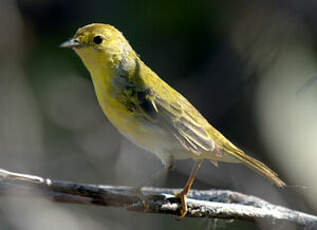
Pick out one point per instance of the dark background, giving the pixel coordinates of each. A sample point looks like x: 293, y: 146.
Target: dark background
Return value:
x: 248, y: 66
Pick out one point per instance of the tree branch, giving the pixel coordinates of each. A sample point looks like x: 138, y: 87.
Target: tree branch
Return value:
x: 220, y: 204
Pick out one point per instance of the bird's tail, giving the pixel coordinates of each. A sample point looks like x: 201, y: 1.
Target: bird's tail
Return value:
x: 253, y: 164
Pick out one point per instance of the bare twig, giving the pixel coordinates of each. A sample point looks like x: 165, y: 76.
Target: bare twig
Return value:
x: 211, y: 204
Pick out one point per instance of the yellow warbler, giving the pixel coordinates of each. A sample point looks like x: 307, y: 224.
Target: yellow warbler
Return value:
x: 148, y: 111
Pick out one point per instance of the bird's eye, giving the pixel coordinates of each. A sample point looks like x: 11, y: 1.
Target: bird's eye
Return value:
x: 98, y: 39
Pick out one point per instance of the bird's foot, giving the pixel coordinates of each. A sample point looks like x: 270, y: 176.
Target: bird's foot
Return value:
x: 183, y: 211
x: 138, y: 192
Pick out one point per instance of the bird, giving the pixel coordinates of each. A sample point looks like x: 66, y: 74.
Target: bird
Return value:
x: 148, y: 111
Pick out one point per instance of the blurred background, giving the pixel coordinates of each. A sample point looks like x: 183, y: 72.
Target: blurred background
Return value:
x: 250, y: 67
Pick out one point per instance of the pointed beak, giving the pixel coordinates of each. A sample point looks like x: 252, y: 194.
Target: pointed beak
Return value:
x: 72, y: 43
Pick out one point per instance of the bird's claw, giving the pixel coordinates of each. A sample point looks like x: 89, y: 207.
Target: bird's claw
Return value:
x: 183, y: 211
x: 138, y: 192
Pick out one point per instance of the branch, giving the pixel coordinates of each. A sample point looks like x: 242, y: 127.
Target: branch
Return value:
x: 220, y: 204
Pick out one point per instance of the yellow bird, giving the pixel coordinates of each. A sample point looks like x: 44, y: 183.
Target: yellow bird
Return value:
x: 148, y: 111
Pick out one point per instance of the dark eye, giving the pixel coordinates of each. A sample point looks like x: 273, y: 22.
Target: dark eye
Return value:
x: 98, y: 39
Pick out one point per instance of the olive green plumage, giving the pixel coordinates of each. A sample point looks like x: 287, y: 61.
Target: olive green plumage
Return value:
x: 146, y: 109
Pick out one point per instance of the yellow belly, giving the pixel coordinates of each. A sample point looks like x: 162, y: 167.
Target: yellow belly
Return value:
x: 150, y: 135
x: 142, y: 132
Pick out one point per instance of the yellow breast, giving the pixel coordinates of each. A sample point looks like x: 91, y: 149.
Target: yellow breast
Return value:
x: 132, y: 126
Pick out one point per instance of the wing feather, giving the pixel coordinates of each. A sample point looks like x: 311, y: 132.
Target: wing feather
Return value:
x: 162, y: 104
x: 174, y: 116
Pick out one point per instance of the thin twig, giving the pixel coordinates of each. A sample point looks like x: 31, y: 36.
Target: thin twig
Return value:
x: 220, y: 204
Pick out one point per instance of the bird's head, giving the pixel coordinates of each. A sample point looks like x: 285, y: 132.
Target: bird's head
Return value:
x: 99, y: 45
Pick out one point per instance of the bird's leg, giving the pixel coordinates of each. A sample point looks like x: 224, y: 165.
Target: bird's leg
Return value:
x: 183, y: 194
x: 137, y: 189
x: 169, y: 166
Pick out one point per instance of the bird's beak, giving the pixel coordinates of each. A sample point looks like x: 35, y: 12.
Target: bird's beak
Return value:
x: 72, y: 43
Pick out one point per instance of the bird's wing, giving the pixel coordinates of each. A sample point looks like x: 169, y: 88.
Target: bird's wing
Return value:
x: 182, y: 121
x: 167, y: 108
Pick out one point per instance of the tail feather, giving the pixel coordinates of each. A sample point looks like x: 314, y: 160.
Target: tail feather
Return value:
x: 256, y: 165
